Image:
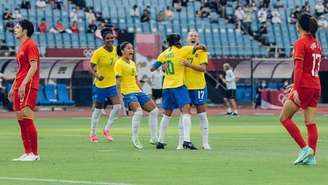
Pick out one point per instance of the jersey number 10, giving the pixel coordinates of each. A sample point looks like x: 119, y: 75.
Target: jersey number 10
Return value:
x: 170, y: 68
x: 316, y: 64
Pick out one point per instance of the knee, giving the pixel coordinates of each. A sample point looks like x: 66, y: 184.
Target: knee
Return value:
x: 154, y: 112
x: 117, y: 106
x: 138, y: 112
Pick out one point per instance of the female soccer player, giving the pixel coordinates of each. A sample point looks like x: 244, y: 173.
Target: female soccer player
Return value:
x: 175, y: 94
x: 102, y: 68
x: 196, y: 85
x: 133, y: 97
x: 305, y: 92
x: 24, y: 90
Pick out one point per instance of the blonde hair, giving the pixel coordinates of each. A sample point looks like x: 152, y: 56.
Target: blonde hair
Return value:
x: 226, y: 66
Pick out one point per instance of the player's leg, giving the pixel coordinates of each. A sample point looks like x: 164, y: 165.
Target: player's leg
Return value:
x: 233, y: 103
x: 227, y: 106
x: 201, y: 110
x: 100, y: 98
x: 150, y: 106
x: 136, y: 119
x: 168, y: 106
x: 312, y: 131
x: 24, y: 136
x: 180, y: 134
x: 113, y: 114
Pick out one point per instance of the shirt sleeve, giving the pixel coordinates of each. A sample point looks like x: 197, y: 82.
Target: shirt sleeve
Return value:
x: 203, y: 57
x: 94, y: 58
x: 160, y: 58
x: 299, y: 50
x: 118, y: 69
x: 187, y: 51
x: 33, y: 53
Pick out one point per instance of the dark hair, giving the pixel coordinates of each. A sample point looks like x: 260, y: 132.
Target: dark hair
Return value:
x: 28, y: 26
x: 308, y: 23
x: 173, y: 40
x: 105, y: 31
x: 121, y: 47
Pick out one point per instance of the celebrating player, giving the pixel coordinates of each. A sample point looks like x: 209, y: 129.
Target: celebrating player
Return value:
x: 133, y: 97
x: 103, y: 59
x: 24, y: 90
x: 305, y: 91
x: 175, y: 94
x: 196, y: 85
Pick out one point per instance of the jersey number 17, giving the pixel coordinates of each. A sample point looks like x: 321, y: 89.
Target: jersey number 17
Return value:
x: 316, y: 64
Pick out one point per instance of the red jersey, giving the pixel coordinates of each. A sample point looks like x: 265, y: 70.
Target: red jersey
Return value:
x: 27, y: 52
x: 307, y: 58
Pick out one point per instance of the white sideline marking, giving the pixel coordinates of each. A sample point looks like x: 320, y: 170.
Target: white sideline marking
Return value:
x: 60, y: 181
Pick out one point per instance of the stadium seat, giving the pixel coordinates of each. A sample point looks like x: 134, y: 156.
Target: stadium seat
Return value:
x: 50, y: 93
x: 42, y: 100
x: 63, y: 96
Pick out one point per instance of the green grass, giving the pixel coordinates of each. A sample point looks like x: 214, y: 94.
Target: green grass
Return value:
x: 250, y: 150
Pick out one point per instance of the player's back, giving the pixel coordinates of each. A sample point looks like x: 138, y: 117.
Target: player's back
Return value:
x: 173, y: 56
x: 308, y: 49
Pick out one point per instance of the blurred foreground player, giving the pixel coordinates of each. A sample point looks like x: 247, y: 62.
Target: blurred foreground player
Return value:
x: 24, y: 90
x: 305, y: 92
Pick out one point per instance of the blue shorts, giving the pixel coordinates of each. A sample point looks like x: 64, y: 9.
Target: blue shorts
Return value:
x: 198, y: 97
x: 175, y: 98
x: 141, y: 98
x: 101, y: 94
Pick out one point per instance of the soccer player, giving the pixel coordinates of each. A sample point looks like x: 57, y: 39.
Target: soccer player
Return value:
x: 102, y: 68
x: 24, y: 90
x: 230, y: 81
x: 196, y: 85
x: 175, y: 94
x: 305, y: 91
x: 133, y: 97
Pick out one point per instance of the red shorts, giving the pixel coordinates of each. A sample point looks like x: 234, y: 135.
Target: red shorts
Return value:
x: 29, y: 99
x: 308, y: 97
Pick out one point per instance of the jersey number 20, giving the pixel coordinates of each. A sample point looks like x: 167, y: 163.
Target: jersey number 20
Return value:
x: 316, y: 64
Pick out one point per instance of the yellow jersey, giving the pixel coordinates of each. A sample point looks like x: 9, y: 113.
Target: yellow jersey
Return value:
x: 196, y: 79
x: 105, y: 61
x: 128, y: 73
x: 172, y: 56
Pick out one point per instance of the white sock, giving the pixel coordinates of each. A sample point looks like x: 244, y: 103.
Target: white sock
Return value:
x: 153, y: 120
x: 186, y: 122
x: 162, y: 128
x: 229, y: 109
x: 204, y: 126
x: 94, y: 120
x: 136, y: 118
x: 113, y: 114
x: 180, y: 128
x: 235, y: 111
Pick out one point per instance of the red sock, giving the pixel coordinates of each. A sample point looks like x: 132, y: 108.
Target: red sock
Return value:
x: 24, y: 135
x: 294, y: 132
x: 32, y: 134
x: 312, y: 136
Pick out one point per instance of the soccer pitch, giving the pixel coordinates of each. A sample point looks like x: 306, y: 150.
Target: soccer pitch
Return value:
x: 249, y: 150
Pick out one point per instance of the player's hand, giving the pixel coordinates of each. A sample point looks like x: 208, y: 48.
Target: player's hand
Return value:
x: 185, y: 63
x: 10, y: 95
x: 221, y: 76
x: 100, y: 78
x: 21, y: 91
x: 296, y: 98
x: 164, y: 67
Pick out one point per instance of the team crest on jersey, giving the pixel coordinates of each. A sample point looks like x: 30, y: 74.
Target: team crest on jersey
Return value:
x: 314, y: 45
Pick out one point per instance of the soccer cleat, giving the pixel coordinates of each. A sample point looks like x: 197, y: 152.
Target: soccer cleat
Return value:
x: 228, y: 114
x: 136, y: 143
x: 206, y: 147
x: 160, y: 145
x: 189, y: 145
x: 93, y: 138
x: 180, y: 147
x: 21, y: 157
x: 303, y: 154
x: 31, y: 157
x: 153, y: 141
x: 234, y: 114
x: 309, y: 161
x: 108, y: 135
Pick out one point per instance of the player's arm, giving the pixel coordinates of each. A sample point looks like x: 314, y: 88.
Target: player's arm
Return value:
x: 10, y: 94
x: 28, y: 77
x: 299, y: 52
x: 93, y: 65
x: 138, y: 83
x: 199, y: 67
x: 158, y: 63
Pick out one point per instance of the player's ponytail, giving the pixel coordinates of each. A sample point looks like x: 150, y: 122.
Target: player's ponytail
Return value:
x: 308, y: 23
x: 174, y: 40
x: 121, y: 47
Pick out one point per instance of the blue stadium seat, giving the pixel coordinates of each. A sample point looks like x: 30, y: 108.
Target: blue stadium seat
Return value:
x: 63, y: 96
x: 51, y: 94
x: 42, y: 100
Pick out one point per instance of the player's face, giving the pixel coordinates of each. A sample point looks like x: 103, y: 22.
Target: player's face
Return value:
x: 19, y: 32
x: 128, y: 51
x: 109, y: 40
x: 298, y: 28
x: 193, y: 38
